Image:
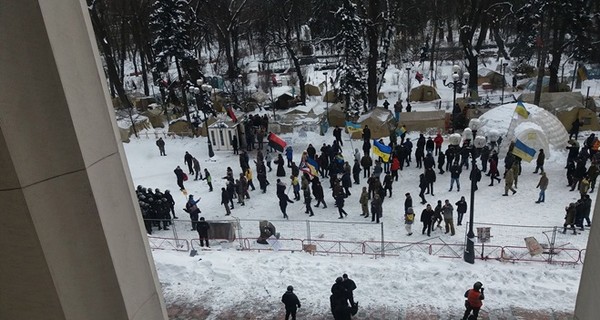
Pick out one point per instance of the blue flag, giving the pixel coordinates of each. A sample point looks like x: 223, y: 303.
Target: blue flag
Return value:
x: 523, y: 151
x: 380, y: 149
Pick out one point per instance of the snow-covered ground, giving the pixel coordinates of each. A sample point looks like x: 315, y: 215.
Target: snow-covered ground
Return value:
x: 226, y: 278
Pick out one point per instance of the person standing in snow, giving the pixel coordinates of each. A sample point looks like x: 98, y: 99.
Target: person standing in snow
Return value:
x: 291, y: 302
x: 448, y: 212
x: 192, y: 208
x: 189, y: 160
x: 542, y: 184
x: 461, y: 209
x: 364, y: 202
x: 350, y: 286
x: 409, y: 218
x: 180, y: 177
x: 160, y: 143
x: 426, y: 217
x: 208, y: 179
x: 197, y: 168
x: 202, y: 227
x: 474, y: 301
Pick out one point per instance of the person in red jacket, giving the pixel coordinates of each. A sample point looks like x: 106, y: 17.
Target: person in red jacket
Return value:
x: 438, y: 140
x: 395, y: 167
x: 474, y: 301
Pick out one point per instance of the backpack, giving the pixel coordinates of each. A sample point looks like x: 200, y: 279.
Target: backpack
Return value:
x: 185, y: 177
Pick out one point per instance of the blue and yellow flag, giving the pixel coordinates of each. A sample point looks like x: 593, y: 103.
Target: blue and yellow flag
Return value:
x: 310, y: 166
x: 400, y: 131
x: 380, y: 149
x: 523, y: 151
x: 521, y: 111
x: 353, y: 127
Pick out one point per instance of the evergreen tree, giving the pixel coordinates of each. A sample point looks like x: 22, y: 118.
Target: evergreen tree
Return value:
x: 353, y: 84
x: 171, y: 40
x: 170, y: 29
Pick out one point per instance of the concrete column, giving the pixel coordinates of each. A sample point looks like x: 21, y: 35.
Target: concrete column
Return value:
x: 587, y: 306
x: 72, y: 244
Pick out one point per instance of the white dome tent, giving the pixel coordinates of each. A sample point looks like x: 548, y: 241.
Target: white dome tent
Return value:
x: 542, y: 128
x: 533, y: 136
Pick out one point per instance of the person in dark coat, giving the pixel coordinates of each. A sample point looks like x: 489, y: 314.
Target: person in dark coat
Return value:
x: 170, y: 202
x: 234, y: 144
x: 441, y: 161
x: 337, y: 133
x: 225, y: 200
x: 189, y: 160
x: 387, y: 184
x: 423, y: 186
x: 449, y: 157
x: 356, y: 172
x: 366, y: 134
x: 280, y: 166
x: 160, y: 143
x: 202, y: 227
x: 350, y: 286
x: 307, y: 201
x: 430, y: 179
x: 317, y: 190
x: 366, y: 162
x: 346, y: 182
x: 366, y: 147
x: 376, y: 208
x: 192, y: 208
x: 311, y: 151
x: 291, y: 302
x: 461, y: 209
x: 197, y: 169
x: 283, y: 201
x: 426, y: 219
x: 180, y: 176
x: 429, y: 145
x: 485, y: 156
x: 339, y: 202
x: 408, y: 203
x: 339, y: 300
x: 539, y: 163
x: 475, y: 177
x: 455, y: 171
x: 575, y: 129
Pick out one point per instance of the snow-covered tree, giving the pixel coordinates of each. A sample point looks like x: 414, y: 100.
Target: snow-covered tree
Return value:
x: 353, y: 84
x: 552, y: 28
x: 170, y: 29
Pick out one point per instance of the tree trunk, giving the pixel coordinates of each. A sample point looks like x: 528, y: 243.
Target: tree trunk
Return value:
x: 113, y: 74
x: 432, y: 51
x: 373, y: 40
x: 450, y: 36
x: 186, y: 109
x: 296, y: 61
x: 500, y: 43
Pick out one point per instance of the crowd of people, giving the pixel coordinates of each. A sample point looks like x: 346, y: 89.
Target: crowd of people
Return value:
x: 380, y: 174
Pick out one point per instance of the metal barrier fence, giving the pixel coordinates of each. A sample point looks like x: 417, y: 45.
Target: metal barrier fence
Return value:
x: 347, y: 238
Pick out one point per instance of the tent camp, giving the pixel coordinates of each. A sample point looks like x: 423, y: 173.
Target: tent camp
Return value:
x: 423, y: 121
x: 531, y: 84
x: 495, y: 79
x: 337, y: 116
x: 547, y: 126
x: 312, y: 90
x: 424, y: 93
x: 155, y: 116
x: 566, y: 106
x: 285, y: 101
x: 330, y: 97
x: 379, y: 120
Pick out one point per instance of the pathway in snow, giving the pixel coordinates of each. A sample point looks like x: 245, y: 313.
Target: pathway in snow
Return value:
x: 182, y: 310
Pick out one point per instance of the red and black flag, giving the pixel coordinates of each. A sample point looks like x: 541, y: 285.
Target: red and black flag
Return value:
x: 276, y: 142
x: 231, y: 114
